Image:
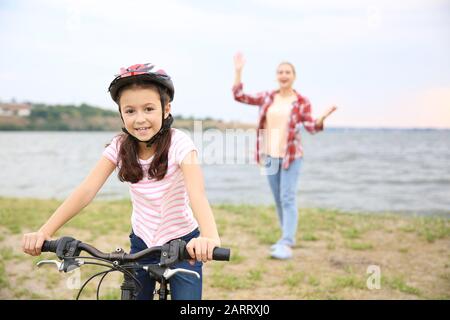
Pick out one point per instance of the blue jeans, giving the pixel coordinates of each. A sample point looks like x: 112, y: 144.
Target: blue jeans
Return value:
x: 182, y: 286
x: 283, y: 183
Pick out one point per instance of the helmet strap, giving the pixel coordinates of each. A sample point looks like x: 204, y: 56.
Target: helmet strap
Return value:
x: 166, y: 124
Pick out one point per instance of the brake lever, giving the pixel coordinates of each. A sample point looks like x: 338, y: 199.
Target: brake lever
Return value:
x: 168, y: 273
x: 66, y: 265
x: 58, y: 264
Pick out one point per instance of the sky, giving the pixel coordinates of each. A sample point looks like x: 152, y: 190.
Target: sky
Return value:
x: 383, y: 63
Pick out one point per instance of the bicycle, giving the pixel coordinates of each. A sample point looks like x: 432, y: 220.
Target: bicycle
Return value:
x: 68, y: 250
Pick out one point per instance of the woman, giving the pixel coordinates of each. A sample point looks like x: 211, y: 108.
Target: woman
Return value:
x: 278, y: 148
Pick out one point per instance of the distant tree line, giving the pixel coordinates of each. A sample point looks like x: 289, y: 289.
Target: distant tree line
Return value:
x: 63, y: 117
x: 83, y: 117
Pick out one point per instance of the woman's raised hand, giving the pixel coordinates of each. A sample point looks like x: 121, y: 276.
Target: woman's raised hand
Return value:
x: 239, y: 61
x: 329, y: 111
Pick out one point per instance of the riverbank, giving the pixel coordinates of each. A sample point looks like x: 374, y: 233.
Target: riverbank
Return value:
x: 334, y: 251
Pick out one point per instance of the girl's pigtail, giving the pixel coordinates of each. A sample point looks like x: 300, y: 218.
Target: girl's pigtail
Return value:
x: 159, y: 165
x: 130, y: 168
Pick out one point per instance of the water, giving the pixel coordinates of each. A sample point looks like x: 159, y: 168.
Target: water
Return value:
x: 403, y: 171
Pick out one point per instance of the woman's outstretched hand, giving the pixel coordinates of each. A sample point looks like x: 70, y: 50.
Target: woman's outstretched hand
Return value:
x: 239, y: 61
x: 330, y: 110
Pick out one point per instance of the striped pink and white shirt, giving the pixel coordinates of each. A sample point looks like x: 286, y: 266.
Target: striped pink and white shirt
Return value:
x: 161, y: 210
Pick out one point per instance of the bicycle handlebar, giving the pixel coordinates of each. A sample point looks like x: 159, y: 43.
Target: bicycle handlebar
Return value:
x: 66, y: 247
x: 68, y: 250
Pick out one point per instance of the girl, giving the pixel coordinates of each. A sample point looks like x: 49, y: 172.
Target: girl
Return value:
x: 278, y: 144
x: 161, y: 167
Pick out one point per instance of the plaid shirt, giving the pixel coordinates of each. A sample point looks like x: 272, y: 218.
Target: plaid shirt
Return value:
x: 300, y: 113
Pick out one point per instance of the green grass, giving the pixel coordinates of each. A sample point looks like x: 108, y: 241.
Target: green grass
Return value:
x: 236, y: 258
x: 359, y: 245
x: 289, y: 267
x: 264, y: 236
x: 255, y: 275
x: 294, y: 280
x: 248, y: 231
x: 433, y: 229
x: 313, y: 281
x: 351, y: 233
x: 229, y: 282
x: 348, y: 281
x: 22, y: 293
x: 408, y: 228
x: 399, y: 283
x: 445, y: 277
x: 4, y: 283
x: 7, y: 253
x: 100, y: 217
x: 309, y: 237
x: 15, y: 215
x: 236, y: 281
x: 428, y: 228
x: 110, y: 295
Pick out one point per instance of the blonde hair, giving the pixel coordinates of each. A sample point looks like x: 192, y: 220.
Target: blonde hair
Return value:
x: 289, y: 64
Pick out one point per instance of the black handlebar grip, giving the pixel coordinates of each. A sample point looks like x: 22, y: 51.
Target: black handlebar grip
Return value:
x: 221, y: 254
x: 49, y: 246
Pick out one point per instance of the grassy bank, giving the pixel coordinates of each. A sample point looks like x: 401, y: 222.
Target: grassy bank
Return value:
x: 331, y: 258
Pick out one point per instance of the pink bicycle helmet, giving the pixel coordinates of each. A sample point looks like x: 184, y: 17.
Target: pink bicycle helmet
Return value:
x: 146, y: 72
